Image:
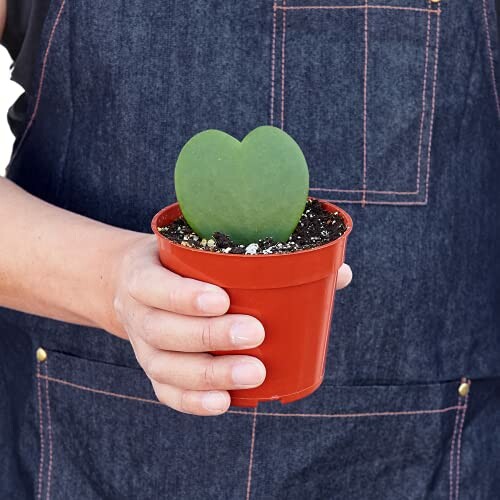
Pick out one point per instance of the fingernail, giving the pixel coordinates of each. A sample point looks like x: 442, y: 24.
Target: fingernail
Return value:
x: 244, y: 334
x: 211, y: 302
x: 214, y: 401
x: 247, y: 374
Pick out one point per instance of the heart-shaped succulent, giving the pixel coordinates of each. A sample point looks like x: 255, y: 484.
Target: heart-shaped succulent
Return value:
x: 248, y: 190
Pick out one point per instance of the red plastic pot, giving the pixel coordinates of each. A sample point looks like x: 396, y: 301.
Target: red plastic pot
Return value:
x: 291, y: 294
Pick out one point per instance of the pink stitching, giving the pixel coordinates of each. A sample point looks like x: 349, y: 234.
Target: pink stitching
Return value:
x: 354, y: 415
x: 459, y: 442
x: 452, y: 458
x: 98, y: 391
x: 283, y: 68
x: 273, y: 65
x: 340, y: 7
x: 370, y: 202
x: 362, y: 190
x: 42, y: 78
x: 433, y: 103
x: 424, y: 90
x: 365, y: 115
x: 264, y: 414
x: 490, y: 56
x: 41, y: 428
x: 49, y: 422
x: 252, y: 447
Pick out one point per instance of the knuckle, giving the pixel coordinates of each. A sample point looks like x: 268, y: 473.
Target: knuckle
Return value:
x: 209, y: 377
x: 174, y: 299
x: 148, y: 327
x: 118, y: 305
x: 207, y: 335
x: 134, y: 282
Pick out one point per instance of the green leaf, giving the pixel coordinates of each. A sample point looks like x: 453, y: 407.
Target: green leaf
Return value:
x: 248, y: 190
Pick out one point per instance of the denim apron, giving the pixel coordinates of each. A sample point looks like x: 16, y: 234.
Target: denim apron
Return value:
x: 396, y: 106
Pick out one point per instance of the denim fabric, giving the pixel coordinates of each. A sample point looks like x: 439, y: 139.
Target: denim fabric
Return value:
x: 396, y: 106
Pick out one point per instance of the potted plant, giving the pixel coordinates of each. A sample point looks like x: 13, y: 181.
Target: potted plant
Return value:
x: 244, y: 222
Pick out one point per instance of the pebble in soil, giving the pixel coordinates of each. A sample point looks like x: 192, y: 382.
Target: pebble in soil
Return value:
x: 316, y: 227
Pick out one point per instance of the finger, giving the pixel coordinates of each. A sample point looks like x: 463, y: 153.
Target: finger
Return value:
x: 202, y: 403
x: 344, y: 276
x: 174, y: 332
x: 155, y: 286
x: 203, y: 371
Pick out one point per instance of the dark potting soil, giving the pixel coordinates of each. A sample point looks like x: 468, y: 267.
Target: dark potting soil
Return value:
x: 316, y: 227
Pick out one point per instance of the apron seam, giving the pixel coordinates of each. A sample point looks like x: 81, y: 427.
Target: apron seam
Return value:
x: 283, y: 48
x: 357, y: 7
x: 49, y: 430
x: 454, y: 468
x: 452, y: 449
x: 490, y: 57
x: 41, y: 432
x: 63, y: 164
x: 252, y: 452
x: 263, y: 413
x: 459, y: 443
x: 273, y: 64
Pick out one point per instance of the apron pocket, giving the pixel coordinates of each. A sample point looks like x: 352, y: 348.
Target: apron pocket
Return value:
x: 104, y: 435
x: 356, y: 85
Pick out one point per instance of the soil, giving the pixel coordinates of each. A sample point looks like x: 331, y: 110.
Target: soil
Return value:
x: 316, y: 227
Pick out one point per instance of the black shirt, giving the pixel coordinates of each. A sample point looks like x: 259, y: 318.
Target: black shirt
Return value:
x: 21, y: 37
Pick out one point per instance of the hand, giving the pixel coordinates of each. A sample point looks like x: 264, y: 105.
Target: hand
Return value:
x: 172, y: 322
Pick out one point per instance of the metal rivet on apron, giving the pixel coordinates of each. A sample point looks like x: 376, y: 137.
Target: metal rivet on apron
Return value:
x: 463, y: 389
x: 41, y: 354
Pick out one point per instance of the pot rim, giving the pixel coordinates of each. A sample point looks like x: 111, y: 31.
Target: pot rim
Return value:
x: 343, y: 213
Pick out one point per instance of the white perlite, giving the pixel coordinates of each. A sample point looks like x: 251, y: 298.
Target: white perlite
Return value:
x: 252, y: 249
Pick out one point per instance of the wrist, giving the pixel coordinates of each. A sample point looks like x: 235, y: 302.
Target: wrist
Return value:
x: 113, y: 273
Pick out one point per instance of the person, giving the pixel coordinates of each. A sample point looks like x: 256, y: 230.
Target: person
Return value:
x: 105, y: 369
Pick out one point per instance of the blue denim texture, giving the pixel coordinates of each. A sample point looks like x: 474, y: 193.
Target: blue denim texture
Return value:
x: 396, y: 109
